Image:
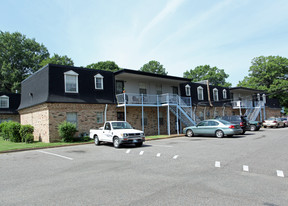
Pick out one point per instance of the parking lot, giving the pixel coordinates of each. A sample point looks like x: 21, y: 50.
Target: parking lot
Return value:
x: 248, y: 169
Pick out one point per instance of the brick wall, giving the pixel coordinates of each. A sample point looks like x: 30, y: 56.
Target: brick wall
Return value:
x: 12, y: 117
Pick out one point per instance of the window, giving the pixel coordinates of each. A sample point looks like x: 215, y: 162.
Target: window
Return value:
x: 72, y: 118
x: 4, y: 101
x: 187, y: 90
x: 161, y: 119
x: 145, y: 119
x: 215, y: 94
x: 200, y: 93
x: 158, y: 89
x: 119, y: 87
x: 99, y: 117
x: 175, y: 90
x: 107, y: 126
x: 98, y: 81
x: 71, y: 82
x: 142, y: 88
x: 224, y: 94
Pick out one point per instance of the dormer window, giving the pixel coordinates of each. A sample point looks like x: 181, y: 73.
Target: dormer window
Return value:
x: 200, y: 93
x: 215, y: 94
x: 4, y: 101
x: 187, y: 90
x: 71, y: 82
x: 98, y: 81
x: 224, y: 94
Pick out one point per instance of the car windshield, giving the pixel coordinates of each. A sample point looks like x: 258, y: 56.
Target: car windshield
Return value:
x: 121, y: 125
x: 224, y: 122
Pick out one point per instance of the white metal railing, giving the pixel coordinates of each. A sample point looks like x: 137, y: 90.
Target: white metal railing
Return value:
x: 243, y: 104
x: 148, y: 99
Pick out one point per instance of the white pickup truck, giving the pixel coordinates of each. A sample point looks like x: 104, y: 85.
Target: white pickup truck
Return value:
x: 117, y: 132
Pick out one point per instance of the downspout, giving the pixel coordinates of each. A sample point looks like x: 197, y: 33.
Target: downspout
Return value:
x: 105, y: 112
x: 208, y: 91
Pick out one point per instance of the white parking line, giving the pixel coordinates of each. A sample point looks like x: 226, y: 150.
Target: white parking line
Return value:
x: 141, y: 153
x: 217, y: 164
x: 175, y: 157
x: 158, y: 154
x: 49, y: 153
x: 245, y: 168
x: 128, y: 151
x: 280, y: 173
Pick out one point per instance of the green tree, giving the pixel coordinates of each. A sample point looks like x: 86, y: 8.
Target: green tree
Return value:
x: 57, y: 59
x: 215, y: 76
x: 269, y: 74
x: 153, y: 67
x: 106, y: 65
x: 19, y: 58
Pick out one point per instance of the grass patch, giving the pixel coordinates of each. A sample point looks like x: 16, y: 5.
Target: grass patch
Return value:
x: 7, y: 145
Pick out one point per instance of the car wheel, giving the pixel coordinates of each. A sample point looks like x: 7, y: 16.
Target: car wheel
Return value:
x: 243, y: 131
x: 139, y: 144
x: 253, y: 127
x: 96, y: 140
x: 189, y: 133
x: 116, y: 142
x: 265, y: 127
x: 219, y: 134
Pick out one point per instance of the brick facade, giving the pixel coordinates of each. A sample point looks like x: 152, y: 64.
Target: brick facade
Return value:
x: 12, y: 117
x: 46, y: 117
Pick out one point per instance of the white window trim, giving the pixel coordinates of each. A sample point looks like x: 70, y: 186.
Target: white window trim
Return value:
x: 4, y: 97
x: 200, y: 90
x: 217, y: 95
x: 224, y: 94
x: 187, y: 90
x: 99, y: 76
x: 71, y: 73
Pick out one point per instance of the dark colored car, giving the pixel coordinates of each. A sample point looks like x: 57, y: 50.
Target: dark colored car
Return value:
x: 255, y: 125
x: 238, y: 119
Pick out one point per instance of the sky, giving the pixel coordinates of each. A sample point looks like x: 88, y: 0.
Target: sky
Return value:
x: 180, y: 34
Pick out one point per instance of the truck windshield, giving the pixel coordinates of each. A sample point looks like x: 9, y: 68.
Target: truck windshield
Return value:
x: 121, y: 125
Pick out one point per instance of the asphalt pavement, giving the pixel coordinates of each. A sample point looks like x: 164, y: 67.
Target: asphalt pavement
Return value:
x: 248, y: 169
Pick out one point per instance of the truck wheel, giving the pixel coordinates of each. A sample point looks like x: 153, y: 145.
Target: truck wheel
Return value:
x: 96, y: 140
x: 116, y: 142
x: 253, y: 127
x: 139, y: 144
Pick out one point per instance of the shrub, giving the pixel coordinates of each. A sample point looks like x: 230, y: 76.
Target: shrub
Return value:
x: 13, y: 131
x: 4, y: 130
x: 67, y: 131
x: 25, y: 130
x: 29, y: 138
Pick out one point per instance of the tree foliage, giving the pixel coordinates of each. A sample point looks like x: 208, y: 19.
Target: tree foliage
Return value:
x: 154, y: 67
x: 106, y: 65
x: 19, y: 58
x: 269, y: 74
x: 215, y: 76
x: 57, y: 59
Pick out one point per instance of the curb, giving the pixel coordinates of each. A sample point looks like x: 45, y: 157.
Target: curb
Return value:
x: 37, y: 148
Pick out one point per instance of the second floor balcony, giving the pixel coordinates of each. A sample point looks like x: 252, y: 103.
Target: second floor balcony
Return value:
x: 131, y: 99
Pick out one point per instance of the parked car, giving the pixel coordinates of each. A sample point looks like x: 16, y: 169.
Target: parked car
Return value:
x: 273, y: 122
x: 213, y: 127
x: 118, y: 133
x: 238, y: 119
x: 284, y: 119
x: 254, y: 125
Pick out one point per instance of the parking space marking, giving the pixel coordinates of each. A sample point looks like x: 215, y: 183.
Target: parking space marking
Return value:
x: 175, y: 157
x: 217, y: 164
x: 141, y: 153
x: 158, y: 154
x: 280, y: 173
x: 245, y: 168
x: 49, y: 153
x: 128, y: 151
